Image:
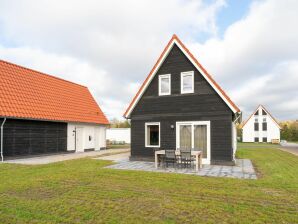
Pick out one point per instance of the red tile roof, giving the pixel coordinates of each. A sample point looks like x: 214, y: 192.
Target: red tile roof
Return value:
x: 175, y: 38
x: 28, y: 94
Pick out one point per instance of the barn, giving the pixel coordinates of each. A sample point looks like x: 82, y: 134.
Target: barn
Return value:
x: 43, y: 114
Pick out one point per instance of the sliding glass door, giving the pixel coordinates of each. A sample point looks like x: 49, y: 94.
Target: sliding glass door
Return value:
x: 200, y: 139
x: 196, y: 135
x: 185, y: 136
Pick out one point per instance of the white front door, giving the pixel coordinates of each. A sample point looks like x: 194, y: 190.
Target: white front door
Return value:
x: 194, y: 134
x: 79, y: 139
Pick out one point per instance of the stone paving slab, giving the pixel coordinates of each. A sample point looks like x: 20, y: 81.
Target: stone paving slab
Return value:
x: 242, y: 170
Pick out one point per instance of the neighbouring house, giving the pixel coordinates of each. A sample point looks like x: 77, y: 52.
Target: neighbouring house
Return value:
x: 118, y: 135
x: 42, y: 114
x: 261, y: 126
x: 179, y: 105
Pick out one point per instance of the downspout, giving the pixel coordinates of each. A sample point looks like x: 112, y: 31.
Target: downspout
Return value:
x: 2, y: 138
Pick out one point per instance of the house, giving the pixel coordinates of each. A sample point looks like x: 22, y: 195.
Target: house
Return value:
x: 261, y: 126
x: 42, y: 114
x: 180, y: 105
x: 118, y: 135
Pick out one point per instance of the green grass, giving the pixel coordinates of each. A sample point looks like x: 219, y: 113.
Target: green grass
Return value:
x: 82, y: 191
x: 256, y: 144
x: 122, y: 146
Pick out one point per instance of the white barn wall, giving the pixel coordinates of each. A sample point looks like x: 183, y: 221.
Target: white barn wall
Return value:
x: 234, y: 139
x: 97, y: 133
x: 119, y: 134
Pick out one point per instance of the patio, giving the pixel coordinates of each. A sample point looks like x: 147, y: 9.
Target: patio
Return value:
x: 242, y: 170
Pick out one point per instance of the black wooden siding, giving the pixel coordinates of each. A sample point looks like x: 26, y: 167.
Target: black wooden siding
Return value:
x: 27, y: 137
x: 202, y: 105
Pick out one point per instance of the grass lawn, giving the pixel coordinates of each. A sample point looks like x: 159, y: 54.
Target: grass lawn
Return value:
x: 81, y: 191
x: 120, y: 146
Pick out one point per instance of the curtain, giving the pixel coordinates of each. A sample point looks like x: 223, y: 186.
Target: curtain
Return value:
x: 200, y: 138
x: 185, y: 136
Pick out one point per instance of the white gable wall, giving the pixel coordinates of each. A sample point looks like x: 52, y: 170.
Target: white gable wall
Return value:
x: 97, y: 134
x: 249, y: 134
x: 273, y: 131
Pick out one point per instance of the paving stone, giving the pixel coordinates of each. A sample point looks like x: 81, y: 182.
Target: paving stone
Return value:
x: 242, y: 169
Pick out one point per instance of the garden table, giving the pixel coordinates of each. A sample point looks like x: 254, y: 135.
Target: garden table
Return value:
x: 196, y: 154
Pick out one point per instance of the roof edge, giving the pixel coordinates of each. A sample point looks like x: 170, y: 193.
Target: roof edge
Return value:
x: 260, y: 105
x: 195, y: 61
x: 51, y: 120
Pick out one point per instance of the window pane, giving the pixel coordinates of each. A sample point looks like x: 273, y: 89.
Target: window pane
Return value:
x: 153, y: 135
x: 185, y: 136
x: 256, y: 126
x: 187, y: 83
x: 264, y: 126
x: 165, y: 85
x: 200, y: 138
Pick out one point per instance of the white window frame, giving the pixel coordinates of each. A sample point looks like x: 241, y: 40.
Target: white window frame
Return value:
x: 192, y: 124
x: 182, y: 76
x: 146, y: 143
x: 159, y: 84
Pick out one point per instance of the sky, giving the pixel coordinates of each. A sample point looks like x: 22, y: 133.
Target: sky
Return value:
x: 110, y: 46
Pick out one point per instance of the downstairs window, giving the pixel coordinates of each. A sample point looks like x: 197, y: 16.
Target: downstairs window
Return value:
x: 152, y: 134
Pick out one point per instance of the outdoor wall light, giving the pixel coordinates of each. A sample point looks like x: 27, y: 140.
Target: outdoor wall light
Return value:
x: 172, y: 126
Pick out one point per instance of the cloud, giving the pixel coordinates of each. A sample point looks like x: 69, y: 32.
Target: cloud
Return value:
x: 110, y: 46
x: 107, y: 45
x: 256, y: 60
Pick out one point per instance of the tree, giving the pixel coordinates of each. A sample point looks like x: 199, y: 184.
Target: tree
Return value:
x: 289, y: 130
x: 115, y: 123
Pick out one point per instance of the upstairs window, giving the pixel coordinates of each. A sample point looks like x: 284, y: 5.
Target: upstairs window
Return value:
x: 187, y: 82
x: 256, y: 126
x: 257, y: 112
x: 152, y: 134
x: 264, y: 126
x: 264, y: 112
x: 164, y: 85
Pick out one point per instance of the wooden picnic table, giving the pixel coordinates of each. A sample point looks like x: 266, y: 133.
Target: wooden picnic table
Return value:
x: 196, y: 154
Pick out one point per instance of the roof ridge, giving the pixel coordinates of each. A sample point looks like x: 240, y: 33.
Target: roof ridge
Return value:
x: 175, y: 40
x: 41, y: 73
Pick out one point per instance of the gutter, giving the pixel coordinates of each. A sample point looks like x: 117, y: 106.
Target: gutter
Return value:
x: 2, y: 138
